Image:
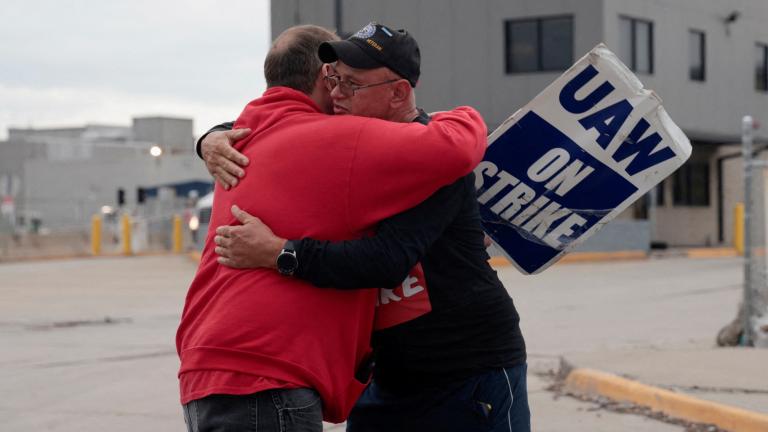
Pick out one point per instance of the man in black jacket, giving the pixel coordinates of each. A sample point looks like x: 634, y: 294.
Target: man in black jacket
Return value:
x: 449, y: 354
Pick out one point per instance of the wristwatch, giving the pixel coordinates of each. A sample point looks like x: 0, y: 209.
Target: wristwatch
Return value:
x: 287, y: 263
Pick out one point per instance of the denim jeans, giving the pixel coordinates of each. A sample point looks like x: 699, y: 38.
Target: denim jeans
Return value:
x: 492, y: 401
x: 280, y: 410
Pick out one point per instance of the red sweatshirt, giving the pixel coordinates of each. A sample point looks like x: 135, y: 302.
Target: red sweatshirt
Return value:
x: 328, y: 177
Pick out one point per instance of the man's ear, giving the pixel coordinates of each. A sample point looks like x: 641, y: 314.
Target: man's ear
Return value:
x: 401, y: 92
x: 325, y: 70
x: 319, y: 87
x: 320, y: 79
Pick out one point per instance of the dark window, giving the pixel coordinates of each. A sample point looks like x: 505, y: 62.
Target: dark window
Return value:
x: 539, y: 44
x: 697, y: 48
x: 636, y: 44
x: 691, y: 184
x: 660, y: 190
x: 205, y: 215
x: 761, y: 67
x: 641, y: 206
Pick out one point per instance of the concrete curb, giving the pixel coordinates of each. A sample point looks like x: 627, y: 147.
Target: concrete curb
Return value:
x: 712, y: 253
x: 84, y: 255
x: 592, y: 383
x: 582, y: 257
x: 604, y: 256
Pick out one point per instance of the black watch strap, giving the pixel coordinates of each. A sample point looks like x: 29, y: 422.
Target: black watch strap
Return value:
x: 287, y: 262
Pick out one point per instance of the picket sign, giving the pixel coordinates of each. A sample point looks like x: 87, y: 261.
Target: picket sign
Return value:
x: 583, y: 150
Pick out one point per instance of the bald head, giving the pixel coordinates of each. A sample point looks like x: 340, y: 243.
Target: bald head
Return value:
x: 292, y: 60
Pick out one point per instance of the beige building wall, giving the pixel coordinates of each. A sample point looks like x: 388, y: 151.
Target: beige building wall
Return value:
x: 463, y: 63
x: 733, y: 189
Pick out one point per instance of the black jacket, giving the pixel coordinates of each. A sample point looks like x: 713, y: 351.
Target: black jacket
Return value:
x: 473, y: 324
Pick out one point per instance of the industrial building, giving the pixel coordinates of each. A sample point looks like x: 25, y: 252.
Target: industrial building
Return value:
x: 707, y: 59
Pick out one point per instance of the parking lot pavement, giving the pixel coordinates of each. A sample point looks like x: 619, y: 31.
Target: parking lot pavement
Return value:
x: 92, y: 340
x: 92, y: 344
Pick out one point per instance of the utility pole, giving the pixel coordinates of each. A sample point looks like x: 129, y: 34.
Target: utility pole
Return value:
x: 338, y: 17
x: 747, y: 127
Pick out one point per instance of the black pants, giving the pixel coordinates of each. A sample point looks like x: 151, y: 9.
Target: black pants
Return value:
x: 492, y: 401
x: 281, y: 410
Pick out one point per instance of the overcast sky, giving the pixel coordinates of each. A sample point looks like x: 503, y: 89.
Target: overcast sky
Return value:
x: 67, y: 63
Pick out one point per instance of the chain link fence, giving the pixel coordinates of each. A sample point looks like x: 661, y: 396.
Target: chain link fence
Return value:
x: 152, y: 231
x: 754, y: 314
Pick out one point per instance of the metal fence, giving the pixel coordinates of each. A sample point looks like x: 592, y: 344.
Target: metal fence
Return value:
x: 151, y: 230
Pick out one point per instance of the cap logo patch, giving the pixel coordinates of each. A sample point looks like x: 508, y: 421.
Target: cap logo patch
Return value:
x: 373, y: 43
x: 366, y: 32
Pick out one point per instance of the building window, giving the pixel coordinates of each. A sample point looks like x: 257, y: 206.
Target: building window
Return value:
x: 697, y: 55
x: 641, y: 207
x: 691, y: 184
x: 761, y: 67
x: 636, y: 44
x: 660, y: 197
x: 538, y: 44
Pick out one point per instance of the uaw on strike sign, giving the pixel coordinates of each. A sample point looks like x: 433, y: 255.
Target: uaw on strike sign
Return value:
x: 577, y: 155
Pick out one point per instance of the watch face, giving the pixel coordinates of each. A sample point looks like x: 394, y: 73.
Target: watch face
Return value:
x: 287, y: 263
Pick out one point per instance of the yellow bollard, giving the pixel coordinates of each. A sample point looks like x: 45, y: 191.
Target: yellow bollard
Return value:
x: 177, y: 239
x: 126, y: 225
x: 738, y: 228
x: 96, y: 235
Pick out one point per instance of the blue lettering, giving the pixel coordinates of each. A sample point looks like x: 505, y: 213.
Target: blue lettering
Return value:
x: 641, y: 149
x: 568, y: 94
x: 607, y: 121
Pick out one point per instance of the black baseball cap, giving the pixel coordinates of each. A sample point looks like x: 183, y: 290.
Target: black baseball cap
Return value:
x: 374, y: 46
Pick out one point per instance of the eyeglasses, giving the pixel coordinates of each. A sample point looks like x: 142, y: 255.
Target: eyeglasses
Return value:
x: 347, y: 89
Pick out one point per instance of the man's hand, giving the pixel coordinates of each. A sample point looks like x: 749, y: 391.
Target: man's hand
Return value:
x: 222, y: 161
x: 249, y: 245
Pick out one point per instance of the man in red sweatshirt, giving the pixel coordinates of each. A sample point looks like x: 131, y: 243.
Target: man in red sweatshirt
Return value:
x: 258, y: 347
x: 450, y: 353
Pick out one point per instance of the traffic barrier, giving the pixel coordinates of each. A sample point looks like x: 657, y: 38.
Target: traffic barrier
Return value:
x: 738, y: 228
x: 96, y: 235
x: 178, y: 241
x: 126, y: 231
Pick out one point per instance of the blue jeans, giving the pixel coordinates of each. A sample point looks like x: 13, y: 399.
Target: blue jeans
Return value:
x: 280, y: 410
x: 492, y: 401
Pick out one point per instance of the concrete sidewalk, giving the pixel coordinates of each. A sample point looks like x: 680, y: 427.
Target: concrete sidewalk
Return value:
x: 727, y: 387
x: 644, y: 332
